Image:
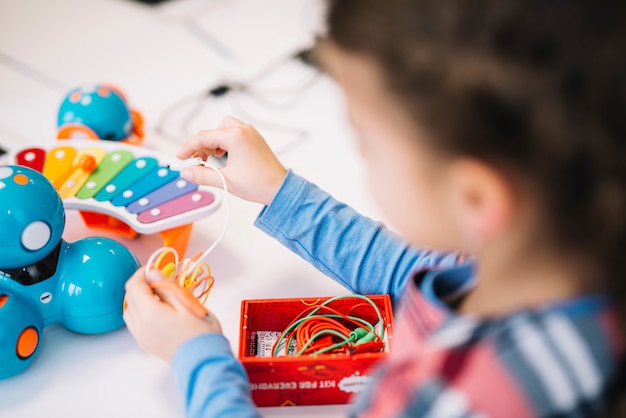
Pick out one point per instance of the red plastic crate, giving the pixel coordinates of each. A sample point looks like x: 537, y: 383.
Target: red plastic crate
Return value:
x: 306, y: 380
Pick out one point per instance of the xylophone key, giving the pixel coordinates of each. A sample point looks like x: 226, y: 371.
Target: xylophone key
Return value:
x: 32, y: 158
x: 183, y: 204
x: 151, y: 181
x: 171, y: 190
x: 58, y: 163
x: 129, y: 175
x: 84, y: 164
x: 111, y: 165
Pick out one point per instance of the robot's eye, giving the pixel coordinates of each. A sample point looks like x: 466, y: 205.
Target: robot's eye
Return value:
x: 36, y: 235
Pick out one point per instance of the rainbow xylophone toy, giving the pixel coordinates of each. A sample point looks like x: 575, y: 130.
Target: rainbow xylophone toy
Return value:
x: 122, y: 188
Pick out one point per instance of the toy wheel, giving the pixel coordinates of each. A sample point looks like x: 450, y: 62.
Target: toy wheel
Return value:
x: 27, y: 343
x: 101, y: 276
x: 76, y: 131
x: 28, y: 340
x: 20, y: 334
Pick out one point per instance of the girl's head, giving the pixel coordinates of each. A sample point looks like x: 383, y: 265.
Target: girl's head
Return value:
x: 484, y: 119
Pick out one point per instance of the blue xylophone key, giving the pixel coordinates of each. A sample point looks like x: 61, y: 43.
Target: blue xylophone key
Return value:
x: 129, y: 175
x: 151, y: 181
x: 171, y: 190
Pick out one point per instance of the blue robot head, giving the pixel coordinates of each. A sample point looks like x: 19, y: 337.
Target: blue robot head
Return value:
x: 32, y: 217
x: 101, y: 108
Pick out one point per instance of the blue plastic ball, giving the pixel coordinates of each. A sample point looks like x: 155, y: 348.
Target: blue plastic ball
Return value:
x: 32, y: 217
x: 100, y: 108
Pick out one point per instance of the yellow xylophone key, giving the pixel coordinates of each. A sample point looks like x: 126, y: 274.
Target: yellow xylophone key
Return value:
x: 84, y: 164
x: 57, y: 165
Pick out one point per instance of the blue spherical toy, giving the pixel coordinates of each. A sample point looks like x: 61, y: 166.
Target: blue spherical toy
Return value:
x: 98, y: 111
x: 32, y: 217
x: 44, y: 279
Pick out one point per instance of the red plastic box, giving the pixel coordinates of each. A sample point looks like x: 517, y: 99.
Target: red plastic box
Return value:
x: 306, y: 380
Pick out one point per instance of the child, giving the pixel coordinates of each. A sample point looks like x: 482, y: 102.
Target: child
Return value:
x: 493, y: 127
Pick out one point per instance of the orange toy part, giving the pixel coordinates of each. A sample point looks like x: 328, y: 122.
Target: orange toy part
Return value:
x: 177, y: 238
x: 76, y: 131
x: 107, y: 223
x: 27, y: 342
x: 137, y: 123
x: 87, y: 162
x: 137, y: 136
x: 20, y: 179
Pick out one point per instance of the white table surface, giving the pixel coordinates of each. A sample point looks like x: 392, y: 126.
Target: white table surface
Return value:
x: 157, y: 57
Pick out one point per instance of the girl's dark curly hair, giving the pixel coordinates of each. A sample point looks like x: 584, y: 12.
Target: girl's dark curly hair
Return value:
x: 535, y: 87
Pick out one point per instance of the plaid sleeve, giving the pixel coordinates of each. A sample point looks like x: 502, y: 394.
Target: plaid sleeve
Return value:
x: 552, y: 362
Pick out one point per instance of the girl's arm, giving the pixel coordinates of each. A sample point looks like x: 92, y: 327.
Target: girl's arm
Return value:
x: 213, y: 382
x: 356, y: 251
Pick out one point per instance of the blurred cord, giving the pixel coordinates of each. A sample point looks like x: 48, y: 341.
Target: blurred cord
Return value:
x: 287, y: 98
x: 33, y: 73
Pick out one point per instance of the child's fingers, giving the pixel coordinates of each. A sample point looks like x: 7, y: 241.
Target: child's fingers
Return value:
x: 157, y: 319
x: 168, y: 296
x: 201, y: 149
x: 137, y: 288
x: 230, y: 122
x: 165, y: 294
x: 208, y: 141
x: 214, y: 323
x: 139, y: 293
x: 203, y: 175
x: 217, y: 141
x: 155, y: 275
x: 138, y: 297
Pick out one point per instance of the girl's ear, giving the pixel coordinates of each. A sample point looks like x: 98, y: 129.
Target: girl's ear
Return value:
x: 483, y: 199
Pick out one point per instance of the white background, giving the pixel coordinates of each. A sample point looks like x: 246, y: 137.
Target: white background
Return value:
x: 164, y: 58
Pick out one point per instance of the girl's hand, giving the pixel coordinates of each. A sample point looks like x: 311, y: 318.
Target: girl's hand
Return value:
x: 160, y: 325
x: 252, y: 171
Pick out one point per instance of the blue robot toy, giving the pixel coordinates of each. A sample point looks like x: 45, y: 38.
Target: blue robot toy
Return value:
x: 99, y: 111
x: 46, y: 280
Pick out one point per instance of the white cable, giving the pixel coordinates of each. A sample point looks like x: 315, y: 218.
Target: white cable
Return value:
x: 155, y: 255
x: 223, y: 232
x: 180, y: 165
